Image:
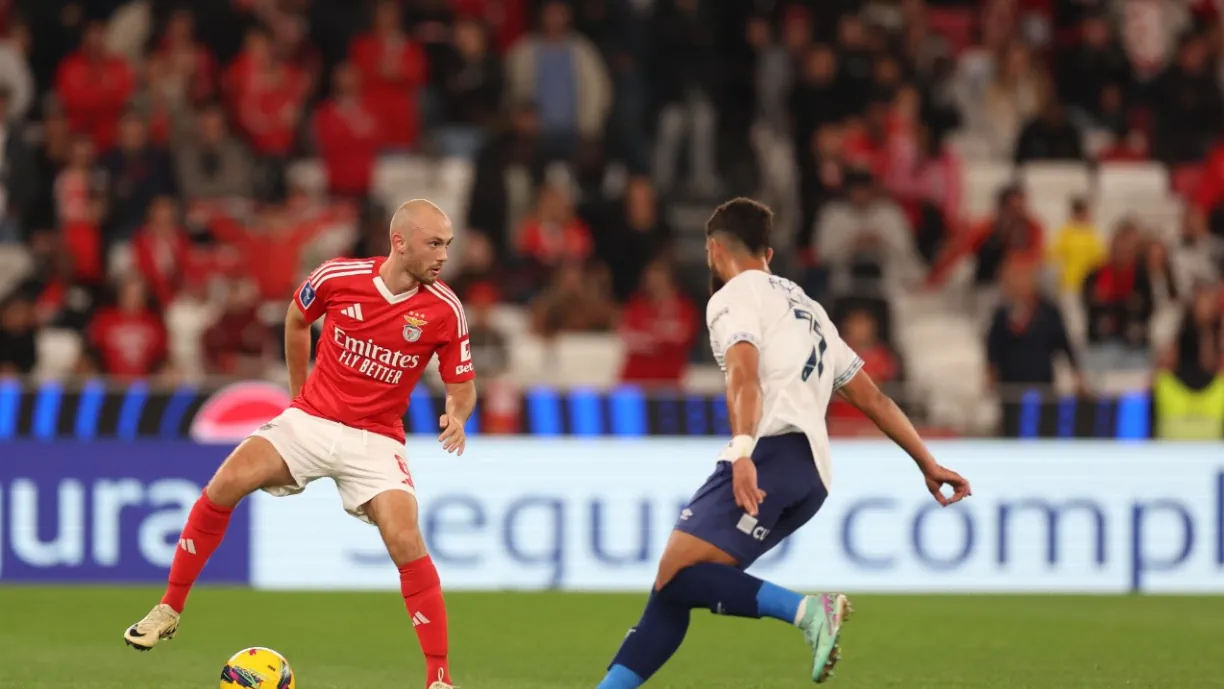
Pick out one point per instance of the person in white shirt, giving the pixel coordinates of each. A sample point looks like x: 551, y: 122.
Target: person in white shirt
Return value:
x: 783, y: 360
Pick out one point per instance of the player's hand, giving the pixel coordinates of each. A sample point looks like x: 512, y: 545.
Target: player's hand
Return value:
x: 938, y: 477
x: 453, y: 437
x: 748, y: 494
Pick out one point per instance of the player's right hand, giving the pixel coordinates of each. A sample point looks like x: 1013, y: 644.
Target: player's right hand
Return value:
x: 748, y: 494
x: 938, y: 477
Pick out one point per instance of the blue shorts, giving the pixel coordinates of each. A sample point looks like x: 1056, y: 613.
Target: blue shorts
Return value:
x: 794, y: 493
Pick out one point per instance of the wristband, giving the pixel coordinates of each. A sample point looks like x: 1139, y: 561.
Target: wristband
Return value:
x: 740, y: 446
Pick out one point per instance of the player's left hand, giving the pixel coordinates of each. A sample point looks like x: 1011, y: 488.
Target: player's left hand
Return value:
x: 453, y: 436
x: 938, y: 477
x: 748, y: 495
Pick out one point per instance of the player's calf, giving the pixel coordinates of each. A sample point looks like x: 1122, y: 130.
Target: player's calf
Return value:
x: 255, y: 464
x: 395, y: 513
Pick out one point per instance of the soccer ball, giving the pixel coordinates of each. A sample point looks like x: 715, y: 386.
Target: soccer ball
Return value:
x: 257, y: 668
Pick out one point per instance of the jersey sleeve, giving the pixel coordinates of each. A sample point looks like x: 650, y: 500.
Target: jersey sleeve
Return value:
x: 733, y: 316
x: 455, y: 354
x: 311, y: 296
x: 845, y: 362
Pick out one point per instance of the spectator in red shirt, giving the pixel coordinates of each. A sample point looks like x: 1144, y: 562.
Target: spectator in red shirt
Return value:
x: 1011, y: 233
x: 554, y: 233
x: 347, y: 131
x: 658, y: 327
x: 162, y: 250
x: 861, y: 331
x: 1209, y: 195
x: 128, y: 340
x: 275, y: 233
x: 190, y: 64
x: 266, y: 95
x: 393, y: 69
x: 235, y: 344
x: 94, y: 87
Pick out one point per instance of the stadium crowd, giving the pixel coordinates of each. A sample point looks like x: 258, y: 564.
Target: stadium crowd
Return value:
x: 157, y: 211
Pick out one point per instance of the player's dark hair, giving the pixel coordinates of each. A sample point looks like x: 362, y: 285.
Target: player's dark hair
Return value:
x: 748, y: 222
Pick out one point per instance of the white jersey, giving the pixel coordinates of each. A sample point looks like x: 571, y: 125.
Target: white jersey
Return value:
x: 803, y: 360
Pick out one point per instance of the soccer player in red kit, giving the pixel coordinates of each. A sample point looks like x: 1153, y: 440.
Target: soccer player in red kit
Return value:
x: 383, y: 319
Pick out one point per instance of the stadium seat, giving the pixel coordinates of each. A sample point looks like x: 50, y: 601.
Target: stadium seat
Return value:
x: 1056, y: 183
x: 307, y: 174
x: 186, y: 322
x: 59, y: 350
x: 579, y: 359
x: 983, y: 180
x: 120, y: 260
x: 14, y: 265
x: 1133, y: 181
x: 1162, y: 218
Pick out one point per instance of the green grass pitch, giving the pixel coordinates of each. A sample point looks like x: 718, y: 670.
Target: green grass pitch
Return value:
x: 60, y: 638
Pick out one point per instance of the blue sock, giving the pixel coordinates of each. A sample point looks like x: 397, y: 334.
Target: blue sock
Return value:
x: 778, y: 603
x: 648, y: 645
x: 620, y: 677
x: 724, y: 589
x: 728, y: 590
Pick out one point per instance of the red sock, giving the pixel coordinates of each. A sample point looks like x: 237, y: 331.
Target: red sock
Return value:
x: 203, y: 533
x: 423, y: 597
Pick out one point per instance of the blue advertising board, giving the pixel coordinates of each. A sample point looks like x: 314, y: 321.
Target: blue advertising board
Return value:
x: 107, y: 511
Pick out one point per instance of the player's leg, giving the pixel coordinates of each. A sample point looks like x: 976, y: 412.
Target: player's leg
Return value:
x: 256, y: 463
x: 395, y: 513
x: 253, y: 465
x: 703, y: 563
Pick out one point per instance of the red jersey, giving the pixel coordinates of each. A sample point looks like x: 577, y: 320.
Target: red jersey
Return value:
x: 375, y: 344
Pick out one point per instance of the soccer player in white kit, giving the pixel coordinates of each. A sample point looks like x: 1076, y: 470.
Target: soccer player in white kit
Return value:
x: 783, y: 361
x: 383, y: 320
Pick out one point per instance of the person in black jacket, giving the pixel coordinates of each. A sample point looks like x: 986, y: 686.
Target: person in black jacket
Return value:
x: 1027, y: 332
x: 1119, y: 302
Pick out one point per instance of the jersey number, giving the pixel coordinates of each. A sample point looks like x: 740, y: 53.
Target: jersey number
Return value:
x: 815, y: 360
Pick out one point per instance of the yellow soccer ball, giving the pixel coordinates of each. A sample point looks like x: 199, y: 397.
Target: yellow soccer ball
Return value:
x: 257, y: 668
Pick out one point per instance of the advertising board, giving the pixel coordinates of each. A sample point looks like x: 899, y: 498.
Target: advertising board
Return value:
x: 595, y: 514
x: 579, y: 514
x: 108, y: 511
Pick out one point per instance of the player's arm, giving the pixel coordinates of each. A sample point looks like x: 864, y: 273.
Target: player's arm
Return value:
x: 460, y: 400
x: 307, y: 307
x: 455, y: 367
x: 744, y: 398
x: 743, y: 389
x: 862, y: 392
x: 297, y: 348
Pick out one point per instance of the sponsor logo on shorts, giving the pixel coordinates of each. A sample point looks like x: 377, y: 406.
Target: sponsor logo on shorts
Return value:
x: 748, y: 524
x: 462, y: 369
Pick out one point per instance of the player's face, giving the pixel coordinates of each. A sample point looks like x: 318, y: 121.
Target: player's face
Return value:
x: 425, y: 252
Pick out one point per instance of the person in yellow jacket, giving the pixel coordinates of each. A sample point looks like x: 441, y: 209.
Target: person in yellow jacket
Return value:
x: 1077, y: 248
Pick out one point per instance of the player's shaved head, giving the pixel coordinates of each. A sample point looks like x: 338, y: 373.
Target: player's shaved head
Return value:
x: 420, y: 236
x: 417, y: 213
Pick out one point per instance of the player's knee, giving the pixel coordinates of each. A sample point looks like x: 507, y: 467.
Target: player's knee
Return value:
x: 249, y: 468
x: 406, y: 546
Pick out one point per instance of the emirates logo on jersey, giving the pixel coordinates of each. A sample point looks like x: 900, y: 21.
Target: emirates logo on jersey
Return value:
x: 415, y: 326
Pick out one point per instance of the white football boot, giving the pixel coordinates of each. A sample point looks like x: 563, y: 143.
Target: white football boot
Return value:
x: 439, y: 684
x: 161, y: 623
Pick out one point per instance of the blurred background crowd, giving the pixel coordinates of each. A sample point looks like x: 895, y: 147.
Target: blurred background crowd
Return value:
x: 988, y: 195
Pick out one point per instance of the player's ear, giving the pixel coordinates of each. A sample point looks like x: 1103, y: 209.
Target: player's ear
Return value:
x: 768, y: 256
